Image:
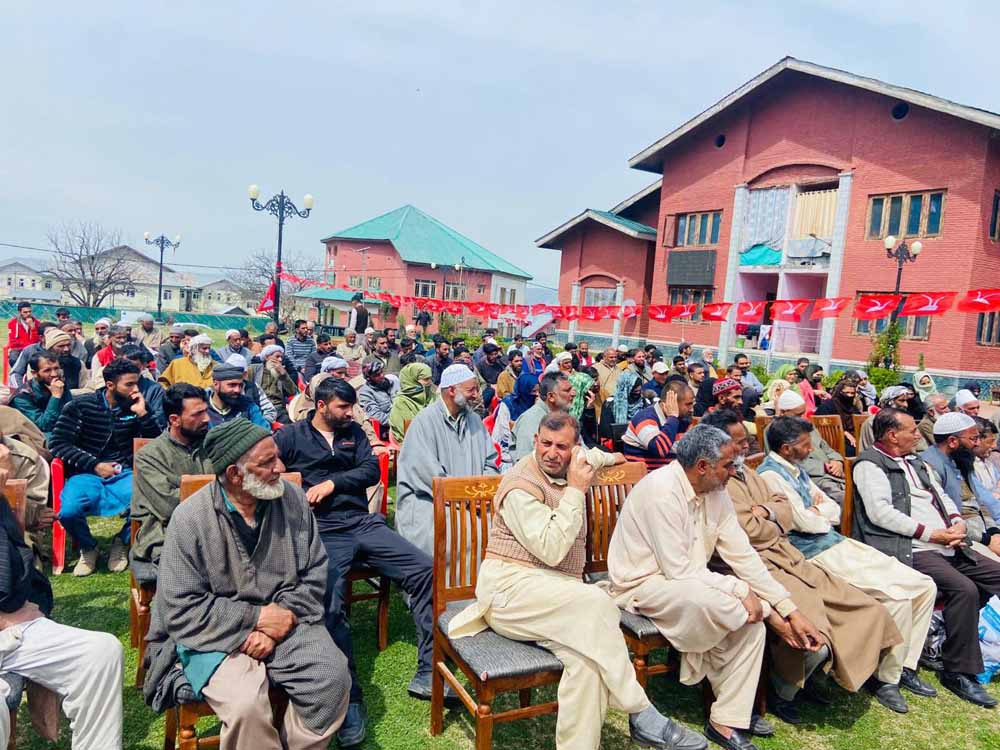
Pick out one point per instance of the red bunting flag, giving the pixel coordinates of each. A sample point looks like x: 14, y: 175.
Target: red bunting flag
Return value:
x: 433, y: 305
x: 590, y: 312
x: 477, y: 308
x: 875, y: 306
x: 829, y: 307
x: 556, y: 311
x: 716, y: 311
x: 789, y: 310
x: 928, y: 303
x: 630, y: 311
x: 267, y: 301
x: 454, y: 308
x: 571, y: 313
x: 683, y: 312
x: 980, y: 300
x: 607, y: 312
x: 660, y: 313
x: 522, y: 311
x: 750, y: 312
x: 493, y: 310
x: 539, y: 309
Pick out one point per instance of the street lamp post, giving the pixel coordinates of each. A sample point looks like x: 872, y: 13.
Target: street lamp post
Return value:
x: 902, y: 254
x: 163, y: 243
x: 281, y: 207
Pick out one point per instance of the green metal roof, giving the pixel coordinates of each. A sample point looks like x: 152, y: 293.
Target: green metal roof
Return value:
x: 634, y: 226
x: 330, y: 295
x: 420, y: 238
x: 553, y: 240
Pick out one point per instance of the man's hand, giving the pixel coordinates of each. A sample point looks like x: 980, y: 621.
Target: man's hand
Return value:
x: 258, y: 645
x: 805, y: 631
x: 669, y: 404
x: 815, y: 509
x: 580, y: 474
x: 994, y: 544
x: 276, y: 367
x: 619, y: 458
x: 317, y: 492
x: 753, y: 607
x: 46, y: 516
x: 851, y: 439
x: 835, y: 469
x: 276, y: 621
x: 105, y: 470
x: 138, y: 404
x: 779, y: 625
x: 57, y: 387
x: 953, y: 536
x: 760, y: 511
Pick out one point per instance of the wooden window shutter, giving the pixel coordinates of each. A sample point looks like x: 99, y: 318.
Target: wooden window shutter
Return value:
x: 669, y: 230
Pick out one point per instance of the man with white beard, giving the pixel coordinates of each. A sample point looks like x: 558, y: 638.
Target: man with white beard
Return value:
x: 195, y: 368
x: 446, y: 439
x: 239, y: 602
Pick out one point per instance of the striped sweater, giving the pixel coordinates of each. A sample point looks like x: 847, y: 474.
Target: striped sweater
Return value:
x: 650, y: 437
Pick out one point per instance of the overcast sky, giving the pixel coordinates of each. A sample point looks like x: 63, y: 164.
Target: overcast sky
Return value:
x: 500, y: 119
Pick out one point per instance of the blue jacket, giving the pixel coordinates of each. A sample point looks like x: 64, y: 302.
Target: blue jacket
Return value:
x: 153, y: 393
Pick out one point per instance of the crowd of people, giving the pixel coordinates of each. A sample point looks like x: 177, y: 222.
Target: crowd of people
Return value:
x: 251, y: 571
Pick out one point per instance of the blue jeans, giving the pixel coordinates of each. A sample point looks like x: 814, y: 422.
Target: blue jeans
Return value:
x: 88, y: 495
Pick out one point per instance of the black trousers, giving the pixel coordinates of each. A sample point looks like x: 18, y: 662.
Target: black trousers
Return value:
x: 363, y: 539
x: 965, y: 587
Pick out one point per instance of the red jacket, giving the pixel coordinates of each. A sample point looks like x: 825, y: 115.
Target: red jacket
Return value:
x: 21, y: 336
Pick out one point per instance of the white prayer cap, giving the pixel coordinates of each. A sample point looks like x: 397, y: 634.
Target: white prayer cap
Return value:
x: 623, y: 349
x: 368, y: 330
x: 175, y: 329
x: 333, y: 363
x: 953, y: 422
x: 455, y: 374
x: 237, y: 360
x: 200, y: 339
x: 891, y: 393
x: 270, y: 349
x: 232, y: 332
x: 102, y: 322
x: 142, y: 317
x: 964, y: 397
x: 789, y: 400
x: 661, y: 367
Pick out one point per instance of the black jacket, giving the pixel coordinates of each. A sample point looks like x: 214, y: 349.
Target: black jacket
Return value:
x: 351, y: 465
x: 20, y: 582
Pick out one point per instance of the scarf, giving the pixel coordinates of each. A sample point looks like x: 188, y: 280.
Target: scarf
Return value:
x: 522, y: 398
x: 413, y: 397
x: 581, y: 383
x: 808, y: 544
x: 923, y: 391
x: 624, y: 408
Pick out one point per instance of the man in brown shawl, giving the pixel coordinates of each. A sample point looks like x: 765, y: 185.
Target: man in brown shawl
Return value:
x: 855, y: 626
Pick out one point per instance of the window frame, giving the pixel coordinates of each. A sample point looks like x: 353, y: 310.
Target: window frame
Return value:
x: 595, y: 299
x: 374, y: 283
x: 909, y: 323
x: 903, y: 230
x: 694, y: 224
x: 456, y: 291
x: 994, y: 225
x: 684, y: 295
x: 425, y: 288
x: 993, y: 330
x: 355, y: 281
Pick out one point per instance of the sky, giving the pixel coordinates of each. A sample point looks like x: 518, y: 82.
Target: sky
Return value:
x: 503, y: 120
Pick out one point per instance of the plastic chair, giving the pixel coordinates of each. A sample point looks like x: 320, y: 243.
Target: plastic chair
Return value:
x: 58, y: 532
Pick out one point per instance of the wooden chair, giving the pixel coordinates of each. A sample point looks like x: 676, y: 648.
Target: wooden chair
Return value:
x: 859, y: 422
x: 16, y: 492
x: 832, y: 430
x: 847, y: 509
x: 141, y: 593
x: 762, y: 421
x: 755, y: 460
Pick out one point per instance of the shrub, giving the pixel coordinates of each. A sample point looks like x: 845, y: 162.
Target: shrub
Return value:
x: 830, y: 379
x: 880, y: 377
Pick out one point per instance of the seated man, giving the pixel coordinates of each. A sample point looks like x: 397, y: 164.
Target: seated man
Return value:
x: 324, y: 348
x: 377, y: 393
x: 902, y: 510
x: 195, y: 368
x: 275, y: 380
x: 160, y: 465
x: 383, y: 355
x: 934, y: 406
x: 727, y: 393
x: 824, y: 465
x: 652, y: 432
x: 24, y: 462
x: 148, y: 387
x: 170, y: 349
x: 351, y: 350
x: 94, y: 437
x: 227, y: 399
x: 234, y: 345
x: 445, y: 439
x: 337, y: 466
x: 897, y: 397
x: 43, y: 397
x: 672, y: 522
x: 530, y: 588
x: 555, y: 393
x: 59, y: 343
x: 239, y: 601
x: 857, y: 631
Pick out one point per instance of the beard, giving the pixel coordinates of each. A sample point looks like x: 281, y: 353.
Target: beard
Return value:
x: 333, y: 424
x: 195, y: 436
x: 965, y: 460
x: 462, y: 402
x: 382, y: 385
x: 201, y: 361
x: 259, y: 489
x: 230, y: 399
x: 738, y: 462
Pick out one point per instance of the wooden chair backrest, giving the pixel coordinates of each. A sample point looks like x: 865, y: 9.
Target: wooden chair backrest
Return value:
x: 755, y: 460
x: 16, y: 492
x: 139, y: 443
x: 191, y: 483
x: 604, y: 503
x: 832, y: 430
x: 406, y: 426
x: 762, y: 421
x: 859, y: 421
x: 847, y: 509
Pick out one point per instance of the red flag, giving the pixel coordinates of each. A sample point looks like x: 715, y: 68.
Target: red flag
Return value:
x: 571, y: 313
x: 538, y: 309
x: 875, y: 306
x: 683, y: 312
x: 556, y: 311
x: 522, y: 311
x: 928, y: 303
x: 789, y: 310
x: 590, y: 312
x: 607, y: 312
x: 716, y: 311
x: 454, y: 308
x: 267, y: 301
x: 980, y: 300
x: 433, y: 305
x: 477, y: 308
x: 750, y: 312
x: 829, y: 307
x: 493, y: 310
x: 660, y: 313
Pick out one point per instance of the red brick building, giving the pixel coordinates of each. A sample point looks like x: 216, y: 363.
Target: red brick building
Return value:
x: 787, y: 188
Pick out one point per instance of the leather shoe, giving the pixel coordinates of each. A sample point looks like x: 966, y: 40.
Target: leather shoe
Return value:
x: 911, y: 681
x: 761, y: 727
x: 737, y: 740
x: 889, y: 696
x: 934, y: 665
x: 813, y: 693
x: 673, y: 737
x: 785, y: 710
x: 354, y: 729
x: 420, y: 688
x: 966, y: 688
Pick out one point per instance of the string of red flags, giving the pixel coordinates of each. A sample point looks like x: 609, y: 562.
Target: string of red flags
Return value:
x: 866, y: 306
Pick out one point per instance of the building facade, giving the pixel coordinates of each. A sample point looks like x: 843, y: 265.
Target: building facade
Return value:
x: 788, y: 188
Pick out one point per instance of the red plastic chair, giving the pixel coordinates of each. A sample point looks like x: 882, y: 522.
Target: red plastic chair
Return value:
x: 58, y: 532
x: 6, y: 365
x: 383, y: 470
x: 275, y: 426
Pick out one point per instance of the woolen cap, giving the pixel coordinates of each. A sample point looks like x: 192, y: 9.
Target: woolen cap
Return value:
x: 225, y: 445
x: 330, y: 364
x: 177, y: 329
x: 953, y: 422
x: 227, y: 372
x: 54, y: 336
x: 725, y: 385
x: 789, y: 400
x: 455, y: 374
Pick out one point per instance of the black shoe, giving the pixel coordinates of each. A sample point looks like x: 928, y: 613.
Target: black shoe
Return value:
x: 738, y: 740
x: 761, y: 727
x: 911, y: 681
x: 354, y: 729
x: 673, y: 736
x: 934, y: 665
x: 889, y: 696
x: 785, y: 710
x: 420, y: 688
x: 966, y: 688
x: 814, y: 694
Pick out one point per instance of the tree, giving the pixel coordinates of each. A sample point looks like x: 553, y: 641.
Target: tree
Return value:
x: 257, y: 274
x: 90, y: 262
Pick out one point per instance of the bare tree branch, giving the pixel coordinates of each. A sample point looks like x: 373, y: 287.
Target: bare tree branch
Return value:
x: 89, y: 263
x: 257, y: 274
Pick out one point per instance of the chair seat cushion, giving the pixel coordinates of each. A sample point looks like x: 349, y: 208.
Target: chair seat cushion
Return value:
x: 491, y: 656
x: 638, y: 625
x: 16, y: 683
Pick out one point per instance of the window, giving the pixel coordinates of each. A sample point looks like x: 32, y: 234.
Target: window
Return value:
x: 34, y: 283
x: 374, y: 283
x: 698, y: 230
x: 47, y: 285
x: 599, y: 296
x: 513, y: 295
x: 814, y: 213
x: 130, y: 293
x: 196, y: 295
x: 994, y: 218
x: 424, y: 288
x: 354, y: 281
x: 10, y: 281
x: 20, y: 282
x: 988, y: 329
x: 503, y: 295
x: 481, y: 289
x: 915, y: 327
x: 168, y: 294
x: 453, y: 290
x: 905, y: 215
x: 686, y: 295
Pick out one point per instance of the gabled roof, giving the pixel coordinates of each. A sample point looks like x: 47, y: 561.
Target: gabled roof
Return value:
x: 647, y: 191
x: 651, y: 157
x: 620, y: 224
x: 420, y: 238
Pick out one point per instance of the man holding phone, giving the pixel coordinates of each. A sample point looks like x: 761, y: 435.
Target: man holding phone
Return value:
x: 93, y: 437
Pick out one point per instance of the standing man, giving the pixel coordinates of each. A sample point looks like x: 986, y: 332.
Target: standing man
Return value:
x: 583, y: 355
x: 358, y: 320
x: 148, y: 334
x: 22, y: 331
x: 490, y: 366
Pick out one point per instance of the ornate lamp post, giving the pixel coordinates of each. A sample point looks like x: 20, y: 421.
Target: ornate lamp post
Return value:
x: 902, y: 254
x: 163, y: 243
x: 282, y: 208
